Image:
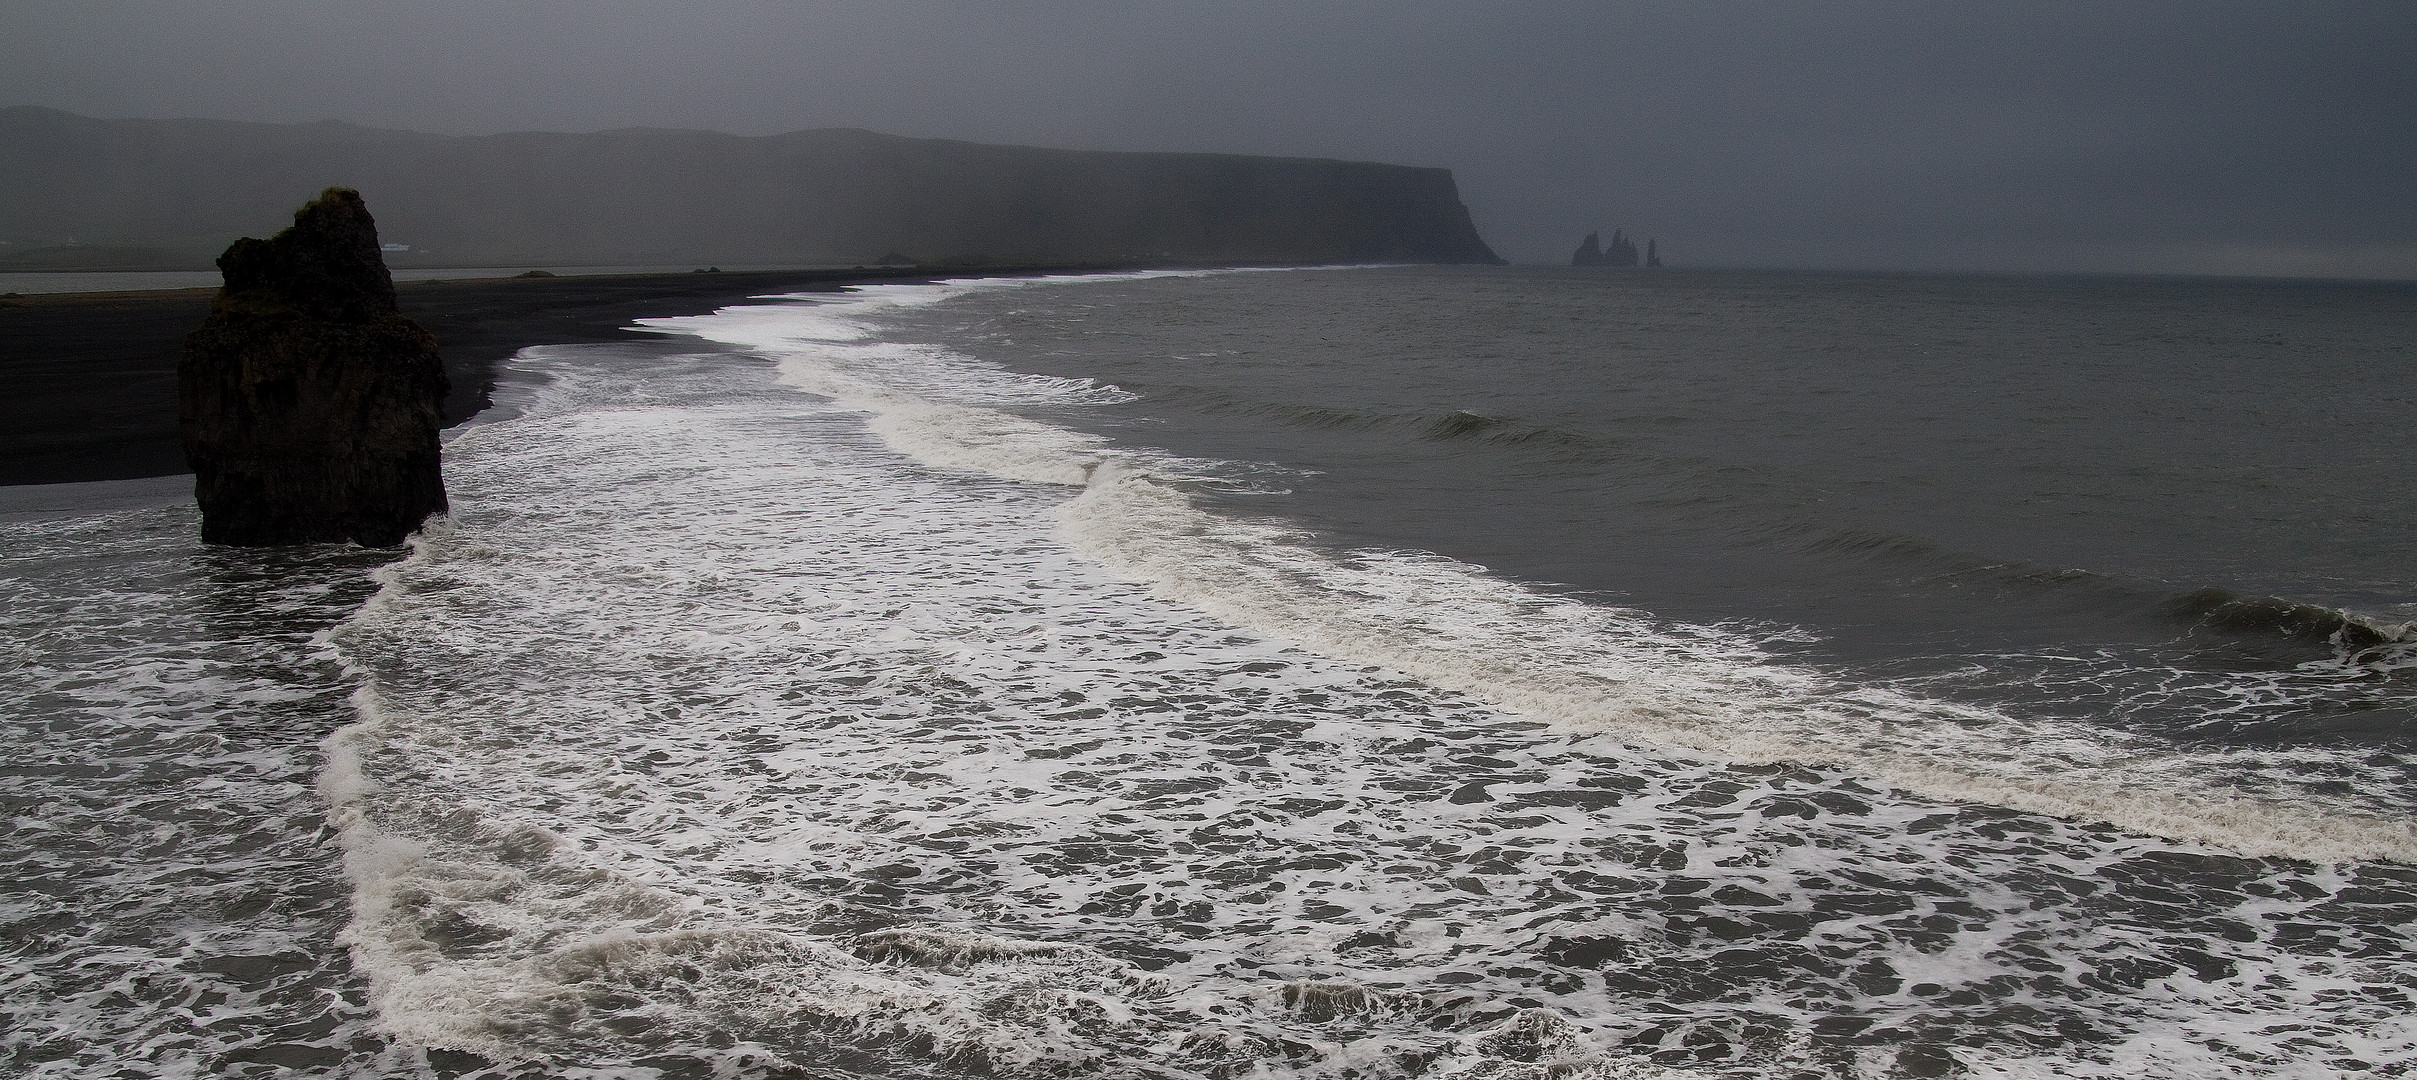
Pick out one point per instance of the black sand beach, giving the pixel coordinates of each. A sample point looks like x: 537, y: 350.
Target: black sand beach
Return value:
x: 90, y: 378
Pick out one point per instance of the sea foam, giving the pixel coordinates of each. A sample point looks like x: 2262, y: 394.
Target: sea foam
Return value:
x: 718, y: 734
x: 1700, y: 689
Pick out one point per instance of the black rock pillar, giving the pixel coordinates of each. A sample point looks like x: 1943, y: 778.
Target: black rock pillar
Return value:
x: 309, y: 404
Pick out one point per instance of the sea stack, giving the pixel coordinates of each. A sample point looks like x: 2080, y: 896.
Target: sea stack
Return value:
x: 310, y: 406
x: 1621, y: 251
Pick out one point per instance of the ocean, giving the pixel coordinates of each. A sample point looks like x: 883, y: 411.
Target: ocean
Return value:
x: 1371, y: 672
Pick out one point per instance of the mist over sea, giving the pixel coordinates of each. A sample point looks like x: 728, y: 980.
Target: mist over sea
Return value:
x: 1444, y: 672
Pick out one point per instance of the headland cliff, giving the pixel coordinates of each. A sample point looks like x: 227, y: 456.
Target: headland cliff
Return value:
x: 83, y: 193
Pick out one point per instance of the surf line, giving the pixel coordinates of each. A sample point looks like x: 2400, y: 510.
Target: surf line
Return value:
x: 1691, y: 689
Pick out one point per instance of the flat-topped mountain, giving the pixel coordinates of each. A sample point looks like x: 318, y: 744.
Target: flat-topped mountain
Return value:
x: 181, y: 190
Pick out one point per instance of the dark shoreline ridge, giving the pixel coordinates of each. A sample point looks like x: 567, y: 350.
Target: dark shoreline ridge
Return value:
x: 92, y: 376
x: 82, y: 193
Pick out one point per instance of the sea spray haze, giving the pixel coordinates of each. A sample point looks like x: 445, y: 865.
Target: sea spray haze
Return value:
x: 1377, y: 672
x: 167, y: 194
x: 2245, y: 137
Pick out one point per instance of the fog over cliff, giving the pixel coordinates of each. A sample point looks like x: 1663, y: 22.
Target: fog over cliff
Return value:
x: 2241, y: 136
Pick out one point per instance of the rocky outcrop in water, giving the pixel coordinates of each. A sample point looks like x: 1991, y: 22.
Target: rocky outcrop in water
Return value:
x: 309, y: 405
x: 1621, y: 251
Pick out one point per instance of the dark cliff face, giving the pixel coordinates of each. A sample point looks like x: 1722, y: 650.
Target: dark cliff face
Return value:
x: 309, y: 405
x: 645, y: 196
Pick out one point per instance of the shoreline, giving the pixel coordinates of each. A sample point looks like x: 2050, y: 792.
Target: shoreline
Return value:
x: 93, y: 375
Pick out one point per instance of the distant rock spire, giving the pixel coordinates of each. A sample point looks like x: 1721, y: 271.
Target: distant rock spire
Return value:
x: 1652, y: 257
x: 1621, y: 251
x: 1589, y: 253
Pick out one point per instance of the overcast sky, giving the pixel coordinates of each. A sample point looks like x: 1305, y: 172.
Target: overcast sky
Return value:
x: 2198, y: 136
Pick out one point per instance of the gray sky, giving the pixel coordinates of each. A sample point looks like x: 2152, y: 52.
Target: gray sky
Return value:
x: 2198, y: 136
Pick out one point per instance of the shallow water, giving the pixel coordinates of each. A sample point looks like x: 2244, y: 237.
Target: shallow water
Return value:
x: 171, y: 892
x: 806, y: 702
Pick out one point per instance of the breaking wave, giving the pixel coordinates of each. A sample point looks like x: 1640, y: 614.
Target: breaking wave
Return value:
x: 893, y: 729
x: 1701, y: 689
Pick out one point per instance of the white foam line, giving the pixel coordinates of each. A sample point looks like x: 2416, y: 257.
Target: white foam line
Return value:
x: 697, y: 654
x: 1444, y: 624
x: 1696, y: 690
x: 426, y: 998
